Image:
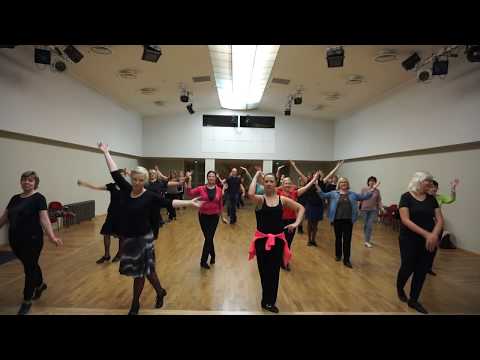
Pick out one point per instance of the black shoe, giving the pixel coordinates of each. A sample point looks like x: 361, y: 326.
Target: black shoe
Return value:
x: 160, y: 297
x: 24, y: 308
x: 103, y: 259
x: 212, y: 260
x: 402, y: 296
x: 38, y: 291
x: 271, y: 308
x: 204, y: 265
x: 348, y: 264
x: 338, y: 258
x: 134, y: 309
x: 417, y: 306
x: 116, y: 258
x: 431, y: 272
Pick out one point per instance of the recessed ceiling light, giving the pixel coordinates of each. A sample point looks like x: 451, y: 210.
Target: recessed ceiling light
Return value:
x: 159, y: 103
x: 386, y: 55
x: 101, y: 49
x: 148, y: 90
x: 355, y: 79
x: 128, y: 73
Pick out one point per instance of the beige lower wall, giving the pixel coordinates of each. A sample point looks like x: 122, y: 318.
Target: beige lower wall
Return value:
x: 462, y: 217
x: 59, y: 168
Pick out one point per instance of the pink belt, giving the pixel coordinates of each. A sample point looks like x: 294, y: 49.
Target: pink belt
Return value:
x: 287, y: 254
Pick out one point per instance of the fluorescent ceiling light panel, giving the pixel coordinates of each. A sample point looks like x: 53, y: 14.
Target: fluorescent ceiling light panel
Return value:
x: 241, y: 73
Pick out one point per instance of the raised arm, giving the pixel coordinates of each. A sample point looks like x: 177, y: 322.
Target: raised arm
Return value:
x: 453, y: 192
x: 47, y: 227
x: 159, y: 173
x: 246, y: 172
x: 303, y: 189
x: 278, y: 171
x: 4, y: 218
x: 188, y: 182
x: 295, y: 206
x: 110, y: 163
x: 297, y: 170
x: 334, y: 170
x: 116, y: 176
x: 251, y: 189
x: 90, y: 186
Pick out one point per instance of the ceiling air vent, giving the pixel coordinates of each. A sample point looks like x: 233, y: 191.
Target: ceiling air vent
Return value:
x: 333, y: 96
x: 280, y: 81
x: 198, y: 79
x: 355, y: 79
x: 128, y: 73
x: 101, y: 49
x: 386, y: 55
x: 148, y: 90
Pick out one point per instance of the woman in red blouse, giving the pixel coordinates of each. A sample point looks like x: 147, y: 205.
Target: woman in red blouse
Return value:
x: 209, y: 213
x: 288, y: 189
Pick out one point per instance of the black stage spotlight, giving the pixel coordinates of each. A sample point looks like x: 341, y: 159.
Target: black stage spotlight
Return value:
x: 151, y: 53
x: 184, y: 97
x: 190, y: 108
x: 473, y: 53
x: 42, y: 56
x: 335, y: 57
x: 73, y: 53
x: 297, y: 100
x: 440, y: 67
x: 288, y: 112
x: 410, y: 62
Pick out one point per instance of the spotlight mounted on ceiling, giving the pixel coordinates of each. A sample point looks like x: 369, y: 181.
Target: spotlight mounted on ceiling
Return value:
x: 151, y: 53
x: 184, y: 96
x: 473, y: 53
x: 190, y: 108
x: 297, y: 100
x: 410, y: 62
x: 288, y: 112
x: 42, y: 56
x: 440, y: 67
x: 288, y: 107
x: 73, y: 53
x: 335, y: 56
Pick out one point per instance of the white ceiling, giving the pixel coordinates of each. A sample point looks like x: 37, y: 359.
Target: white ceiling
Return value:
x: 303, y: 65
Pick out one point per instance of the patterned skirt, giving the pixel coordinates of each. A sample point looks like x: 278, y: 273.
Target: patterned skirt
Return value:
x: 138, y: 256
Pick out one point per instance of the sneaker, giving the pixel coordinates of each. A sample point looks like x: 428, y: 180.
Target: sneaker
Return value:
x: 368, y: 245
x: 103, y: 259
x: 38, y: 291
x: 24, y: 308
x: 417, y: 306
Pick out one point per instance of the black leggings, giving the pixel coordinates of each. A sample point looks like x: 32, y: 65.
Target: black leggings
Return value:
x: 269, y: 268
x: 208, y: 223
x: 289, y: 235
x: 416, y: 260
x: 28, y: 250
x: 343, y: 231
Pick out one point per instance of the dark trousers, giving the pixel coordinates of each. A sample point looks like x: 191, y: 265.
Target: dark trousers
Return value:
x: 172, y: 213
x: 269, y: 268
x: 232, y: 207
x: 289, y: 235
x: 343, y: 238
x: 208, y: 223
x: 432, y: 257
x: 416, y: 260
x: 28, y: 250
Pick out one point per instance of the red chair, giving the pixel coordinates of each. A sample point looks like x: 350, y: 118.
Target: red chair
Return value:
x: 56, y: 210
x: 390, y: 216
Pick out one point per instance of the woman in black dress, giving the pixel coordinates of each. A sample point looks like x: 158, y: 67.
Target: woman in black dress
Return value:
x: 111, y: 225
x: 269, y: 243
x: 138, y: 254
x: 421, y: 226
x: 27, y: 214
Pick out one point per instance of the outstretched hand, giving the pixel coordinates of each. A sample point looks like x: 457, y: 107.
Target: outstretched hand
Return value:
x: 188, y: 174
x: 454, y: 184
x: 102, y: 146
x: 257, y: 168
x: 196, y: 202
x: 377, y: 184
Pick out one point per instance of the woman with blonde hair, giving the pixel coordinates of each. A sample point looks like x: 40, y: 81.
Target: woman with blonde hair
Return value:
x: 420, y: 229
x: 138, y: 254
x: 342, y: 214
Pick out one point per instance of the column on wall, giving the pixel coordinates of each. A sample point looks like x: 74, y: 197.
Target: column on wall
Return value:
x: 209, y: 165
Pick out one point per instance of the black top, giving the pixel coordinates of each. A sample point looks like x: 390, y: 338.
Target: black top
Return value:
x: 115, y: 198
x: 159, y: 186
x: 233, y: 184
x: 135, y: 212
x: 312, y: 197
x: 211, y: 193
x: 24, y: 216
x: 269, y: 218
x: 344, y: 208
x: 422, y: 213
x: 330, y: 187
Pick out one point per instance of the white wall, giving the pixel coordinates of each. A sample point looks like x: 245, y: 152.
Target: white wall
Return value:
x: 59, y: 168
x: 293, y: 138
x: 417, y: 116
x: 394, y: 174
x: 55, y: 106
